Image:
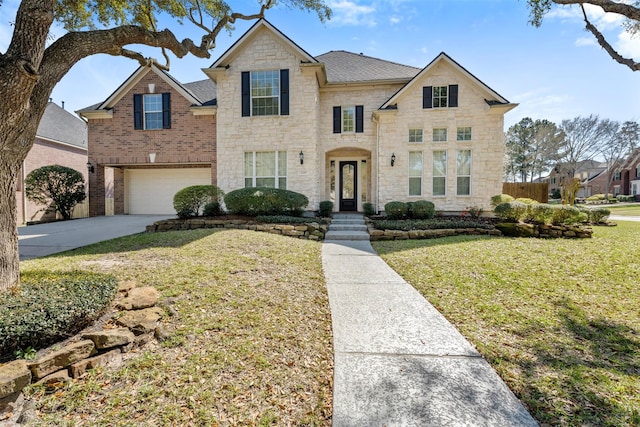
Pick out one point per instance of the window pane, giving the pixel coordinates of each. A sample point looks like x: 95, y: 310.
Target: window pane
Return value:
x: 439, y: 134
x: 464, y: 134
x: 266, y: 182
x: 440, y: 96
x: 282, y: 163
x: 415, y: 163
x: 265, y: 93
x: 266, y: 164
x: 463, y: 163
x: 152, y: 104
x: 248, y: 165
x: 282, y: 183
x: 415, y: 135
x: 463, y: 186
x: 248, y: 182
x: 348, y: 119
x: 438, y: 186
x: 439, y: 173
x: 415, y: 186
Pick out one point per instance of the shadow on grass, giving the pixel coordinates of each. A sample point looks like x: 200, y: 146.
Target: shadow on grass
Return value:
x: 136, y: 242
x: 598, y: 361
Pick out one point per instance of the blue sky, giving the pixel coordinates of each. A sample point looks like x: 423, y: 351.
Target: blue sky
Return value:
x: 554, y: 72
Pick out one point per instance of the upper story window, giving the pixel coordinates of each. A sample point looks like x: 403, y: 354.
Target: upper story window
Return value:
x: 152, y: 111
x: 617, y: 176
x: 464, y: 134
x: 440, y: 96
x: 415, y: 135
x: 347, y: 119
x: 265, y: 93
x: 638, y: 171
x: 439, y: 134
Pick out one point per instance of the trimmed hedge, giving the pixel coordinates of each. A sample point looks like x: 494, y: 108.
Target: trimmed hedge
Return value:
x: 254, y: 201
x: 430, y: 224
x: 285, y: 219
x: 541, y: 213
x: 565, y: 214
x: 423, y: 209
x: 212, y: 209
x: 396, y: 210
x: 369, y: 209
x: 51, y: 306
x: 326, y: 208
x: 501, y: 198
x: 625, y: 198
x: 189, y: 201
x: 596, y: 215
x: 511, y: 211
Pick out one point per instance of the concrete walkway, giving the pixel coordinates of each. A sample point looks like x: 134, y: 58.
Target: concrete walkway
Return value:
x: 398, y: 361
x: 45, y: 239
x: 624, y: 218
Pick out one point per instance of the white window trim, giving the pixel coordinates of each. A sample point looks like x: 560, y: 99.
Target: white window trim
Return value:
x: 145, y: 111
x: 344, y: 109
x: 440, y: 97
x: 458, y: 133
x: 252, y: 97
x: 446, y: 134
x: 421, y: 136
x: 277, y: 177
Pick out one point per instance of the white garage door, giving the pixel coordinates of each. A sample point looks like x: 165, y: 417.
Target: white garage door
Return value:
x: 151, y: 191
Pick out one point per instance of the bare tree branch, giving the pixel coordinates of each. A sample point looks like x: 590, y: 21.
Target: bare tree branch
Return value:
x: 628, y: 10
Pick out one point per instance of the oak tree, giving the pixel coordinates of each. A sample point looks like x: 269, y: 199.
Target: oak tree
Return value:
x: 33, y: 64
x: 628, y: 9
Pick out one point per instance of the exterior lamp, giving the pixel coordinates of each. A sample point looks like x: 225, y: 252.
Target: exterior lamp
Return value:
x: 393, y: 158
x: 301, y: 157
x: 90, y: 167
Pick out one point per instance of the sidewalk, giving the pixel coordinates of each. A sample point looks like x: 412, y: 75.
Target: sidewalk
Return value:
x: 398, y: 361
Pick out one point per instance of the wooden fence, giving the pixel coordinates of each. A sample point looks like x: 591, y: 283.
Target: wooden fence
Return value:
x: 535, y: 191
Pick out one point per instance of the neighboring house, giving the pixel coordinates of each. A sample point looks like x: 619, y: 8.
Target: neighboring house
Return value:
x: 591, y: 174
x: 61, y: 139
x: 339, y: 126
x: 627, y: 177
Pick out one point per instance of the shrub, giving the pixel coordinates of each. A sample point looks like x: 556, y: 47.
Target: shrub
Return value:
x: 511, y: 211
x: 326, y: 208
x: 555, y: 194
x: 501, y: 198
x: 190, y: 200
x: 429, y: 224
x: 423, y: 209
x: 565, y: 214
x: 57, y: 187
x: 475, y: 212
x: 541, y: 213
x: 596, y: 215
x: 254, y: 201
x: 625, y: 198
x: 51, y: 306
x: 369, y: 209
x: 395, y: 210
x: 596, y: 198
x: 212, y: 209
x: 527, y: 201
x: 285, y: 219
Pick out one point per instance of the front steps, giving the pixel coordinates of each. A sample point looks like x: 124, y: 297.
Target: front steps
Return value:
x: 347, y: 227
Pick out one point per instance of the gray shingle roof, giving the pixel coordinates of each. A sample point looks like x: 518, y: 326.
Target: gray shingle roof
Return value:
x: 348, y: 67
x: 60, y: 125
x: 204, y: 90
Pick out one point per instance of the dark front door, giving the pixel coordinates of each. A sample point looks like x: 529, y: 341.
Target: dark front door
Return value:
x: 348, y: 186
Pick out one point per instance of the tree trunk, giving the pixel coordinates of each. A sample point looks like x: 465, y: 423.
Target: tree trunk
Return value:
x: 9, y: 259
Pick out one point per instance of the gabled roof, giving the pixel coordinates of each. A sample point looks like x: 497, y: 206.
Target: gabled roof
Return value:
x: 226, y: 57
x: 348, y: 67
x: 59, y: 125
x: 632, y: 160
x: 493, y: 98
x: 200, y: 93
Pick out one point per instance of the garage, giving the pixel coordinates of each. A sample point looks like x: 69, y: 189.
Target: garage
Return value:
x: 151, y: 191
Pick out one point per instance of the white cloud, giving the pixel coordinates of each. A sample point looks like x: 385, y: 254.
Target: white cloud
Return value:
x: 347, y: 12
x: 395, y: 20
x: 585, y: 41
x: 628, y: 45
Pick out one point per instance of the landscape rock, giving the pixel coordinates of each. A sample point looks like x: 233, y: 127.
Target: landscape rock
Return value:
x: 125, y: 287
x: 79, y: 368
x: 57, y: 377
x: 62, y: 358
x: 11, y: 408
x: 14, y: 376
x: 141, y: 321
x: 110, y: 338
x: 139, y: 298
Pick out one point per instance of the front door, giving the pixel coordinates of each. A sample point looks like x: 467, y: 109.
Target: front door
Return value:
x: 349, y: 186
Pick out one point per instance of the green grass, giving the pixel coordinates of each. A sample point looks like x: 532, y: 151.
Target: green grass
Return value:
x: 625, y: 210
x: 251, y: 345
x: 558, y: 319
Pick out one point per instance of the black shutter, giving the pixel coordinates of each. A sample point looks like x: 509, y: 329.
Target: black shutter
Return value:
x: 284, y: 92
x: 337, y: 120
x: 137, y: 112
x: 166, y: 110
x: 359, y: 118
x: 246, y: 94
x: 427, y: 97
x: 453, y: 95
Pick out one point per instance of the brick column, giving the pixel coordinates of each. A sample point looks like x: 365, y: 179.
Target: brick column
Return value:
x: 118, y: 191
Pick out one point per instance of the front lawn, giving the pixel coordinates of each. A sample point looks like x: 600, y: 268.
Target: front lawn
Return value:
x: 624, y: 210
x: 558, y: 319
x: 252, y: 344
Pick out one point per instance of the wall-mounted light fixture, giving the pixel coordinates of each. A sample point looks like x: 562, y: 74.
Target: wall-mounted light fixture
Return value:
x: 301, y: 157
x: 393, y: 159
x: 90, y: 167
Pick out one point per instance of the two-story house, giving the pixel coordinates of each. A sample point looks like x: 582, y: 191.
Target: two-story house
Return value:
x: 339, y: 126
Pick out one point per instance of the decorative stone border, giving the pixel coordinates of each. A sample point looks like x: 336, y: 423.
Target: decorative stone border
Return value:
x: 134, y: 326
x: 519, y: 229
x: 310, y: 231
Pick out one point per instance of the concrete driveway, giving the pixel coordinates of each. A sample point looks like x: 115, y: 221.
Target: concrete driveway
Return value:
x: 46, y: 239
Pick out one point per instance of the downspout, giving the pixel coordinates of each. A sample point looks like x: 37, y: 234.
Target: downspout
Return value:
x: 377, y: 122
